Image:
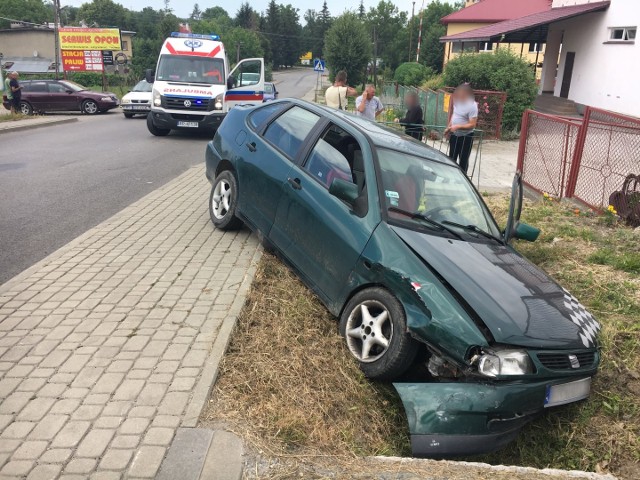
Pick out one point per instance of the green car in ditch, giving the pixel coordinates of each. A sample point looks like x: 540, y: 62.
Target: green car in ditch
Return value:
x: 399, y: 245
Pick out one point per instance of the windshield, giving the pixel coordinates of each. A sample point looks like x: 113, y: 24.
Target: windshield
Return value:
x: 434, y: 190
x: 268, y: 88
x: 143, y: 86
x: 76, y: 87
x: 187, y: 69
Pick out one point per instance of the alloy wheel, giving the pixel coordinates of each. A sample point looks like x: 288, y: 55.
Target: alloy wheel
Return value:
x: 221, y: 199
x: 369, y: 331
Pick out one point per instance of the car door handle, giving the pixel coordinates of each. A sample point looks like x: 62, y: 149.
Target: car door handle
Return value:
x: 251, y: 146
x: 295, y: 183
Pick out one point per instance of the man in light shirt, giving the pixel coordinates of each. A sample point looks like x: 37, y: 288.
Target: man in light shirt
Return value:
x: 336, y: 95
x: 368, y: 105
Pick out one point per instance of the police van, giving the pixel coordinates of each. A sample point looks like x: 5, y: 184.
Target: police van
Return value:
x: 193, y: 88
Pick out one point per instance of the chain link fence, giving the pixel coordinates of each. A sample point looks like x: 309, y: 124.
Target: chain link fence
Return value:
x: 586, y: 159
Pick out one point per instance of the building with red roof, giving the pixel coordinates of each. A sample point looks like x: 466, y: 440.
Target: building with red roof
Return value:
x: 483, y: 13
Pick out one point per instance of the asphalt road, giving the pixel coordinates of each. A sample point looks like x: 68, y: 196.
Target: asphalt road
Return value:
x: 57, y: 182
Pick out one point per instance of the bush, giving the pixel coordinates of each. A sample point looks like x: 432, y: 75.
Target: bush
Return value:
x: 502, y: 71
x: 412, y: 74
x: 434, y: 83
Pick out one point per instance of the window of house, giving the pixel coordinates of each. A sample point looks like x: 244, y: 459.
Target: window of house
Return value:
x: 622, y: 34
x: 536, y: 47
x: 485, y: 46
x: 125, y: 45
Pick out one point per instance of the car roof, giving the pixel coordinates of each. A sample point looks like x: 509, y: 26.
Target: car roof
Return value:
x: 379, y: 135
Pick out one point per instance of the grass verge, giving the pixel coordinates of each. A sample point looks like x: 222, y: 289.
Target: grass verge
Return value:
x: 16, y: 117
x: 289, y: 387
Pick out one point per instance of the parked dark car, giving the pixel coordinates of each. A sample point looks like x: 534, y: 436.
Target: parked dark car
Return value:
x: 398, y: 244
x: 63, y: 95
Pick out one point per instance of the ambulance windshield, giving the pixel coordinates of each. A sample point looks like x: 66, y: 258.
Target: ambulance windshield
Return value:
x: 190, y: 69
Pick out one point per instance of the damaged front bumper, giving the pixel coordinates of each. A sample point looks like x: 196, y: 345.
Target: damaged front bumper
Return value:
x: 453, y: 419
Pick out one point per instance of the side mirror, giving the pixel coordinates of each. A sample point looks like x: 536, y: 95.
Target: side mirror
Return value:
x: 526, y: 232
x: 149, y: 75
x: 69, y: 91
x: 344, y: 190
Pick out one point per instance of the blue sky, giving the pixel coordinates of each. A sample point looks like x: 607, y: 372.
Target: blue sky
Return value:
x: 183, y: 8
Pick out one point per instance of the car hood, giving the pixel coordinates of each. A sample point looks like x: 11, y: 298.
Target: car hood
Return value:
x: 519, y: 303
x: 144, y: 96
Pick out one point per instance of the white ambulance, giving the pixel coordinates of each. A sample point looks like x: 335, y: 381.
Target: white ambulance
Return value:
x: 193, y: 88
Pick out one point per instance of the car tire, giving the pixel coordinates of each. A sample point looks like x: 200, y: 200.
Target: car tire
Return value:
x: 26, y: 108
x: 223, y: 202
x: 90, y: 107
x: 158, y: 132
x: 374, y: 326
x: 128, y: 115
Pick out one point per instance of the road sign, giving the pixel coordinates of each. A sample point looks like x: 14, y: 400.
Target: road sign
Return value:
x: 107, y: 57
x: 82, y: 61
x: 318, y: 65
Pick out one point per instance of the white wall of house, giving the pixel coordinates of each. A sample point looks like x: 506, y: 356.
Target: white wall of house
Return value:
x: 604, y: 74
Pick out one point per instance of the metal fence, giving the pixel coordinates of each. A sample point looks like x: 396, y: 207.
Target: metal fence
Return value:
x: 586, y: 159
x: 436, y: 106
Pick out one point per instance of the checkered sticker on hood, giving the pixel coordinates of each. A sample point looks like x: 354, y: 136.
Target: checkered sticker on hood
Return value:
x: 588, y: 326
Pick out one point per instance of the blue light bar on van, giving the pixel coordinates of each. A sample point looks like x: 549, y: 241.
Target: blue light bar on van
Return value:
x: 195, y: 35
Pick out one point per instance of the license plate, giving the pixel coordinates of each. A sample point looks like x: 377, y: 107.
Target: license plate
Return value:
x: 138, y: 107
x: 188, y: 124
x: 567, y: 392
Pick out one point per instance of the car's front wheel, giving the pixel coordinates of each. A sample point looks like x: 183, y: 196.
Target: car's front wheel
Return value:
x: 223, y: 202
x: 89, y: 107
x: 26, y: 108
x: 375, y: 327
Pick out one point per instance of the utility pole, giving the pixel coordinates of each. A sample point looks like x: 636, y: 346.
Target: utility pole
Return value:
x: 420, y: 32
x: 413, y: 8
x: 56, y: 26
x: 375, y: 56
x: 238, y: 52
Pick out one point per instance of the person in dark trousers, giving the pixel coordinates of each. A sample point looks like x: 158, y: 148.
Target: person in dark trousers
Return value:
x: 16, y: 92
x: 414, y: 118
x: 461, y: 126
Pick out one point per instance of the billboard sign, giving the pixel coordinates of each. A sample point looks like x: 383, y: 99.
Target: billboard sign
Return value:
x: 90, y: 39
x: 82, y: 61
x: 107, y: 57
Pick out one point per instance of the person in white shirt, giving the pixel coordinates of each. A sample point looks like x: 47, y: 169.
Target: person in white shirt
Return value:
x: 368, y: 105
x: 336, y: 95
x: 461, y: 126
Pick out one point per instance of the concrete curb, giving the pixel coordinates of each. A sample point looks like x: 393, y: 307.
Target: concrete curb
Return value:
x: 496, y: 468
x: 33, y: 124
x: 212, y: 366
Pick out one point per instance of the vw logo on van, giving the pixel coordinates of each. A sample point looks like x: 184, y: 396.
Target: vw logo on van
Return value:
x: 187, y: 103
x: 193, y: 43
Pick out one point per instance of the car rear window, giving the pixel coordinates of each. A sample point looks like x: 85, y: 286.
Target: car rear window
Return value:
x: 261, y: 115
x: 288, y: 131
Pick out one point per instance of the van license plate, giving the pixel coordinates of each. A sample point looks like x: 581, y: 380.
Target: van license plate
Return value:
x: 188, y: 124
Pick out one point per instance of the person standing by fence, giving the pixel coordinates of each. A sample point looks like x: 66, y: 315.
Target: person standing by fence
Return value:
x: 368, y: 105
x: 461, y: 126
x: 414, y: 119
x: 336, y: 95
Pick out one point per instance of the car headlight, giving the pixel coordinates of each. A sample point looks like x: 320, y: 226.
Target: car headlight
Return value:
x: 125, y: 100
x: 217, y: 104
x: 505, y: 362
x: 156, y: 99
x: 106, y: 99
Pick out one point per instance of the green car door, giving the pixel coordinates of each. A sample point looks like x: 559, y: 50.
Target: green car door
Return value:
x: 322, y: 235
x: 268, y: 152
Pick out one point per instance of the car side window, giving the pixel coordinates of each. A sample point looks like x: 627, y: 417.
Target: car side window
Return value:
x: 56, y: 88
x: 332, y: 156
x: 262, y: 114
x: 38, y: 87
x: 288, y: 131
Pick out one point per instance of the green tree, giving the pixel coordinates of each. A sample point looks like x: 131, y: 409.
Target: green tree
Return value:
x: 34, y: 11
x: 502, y: 71
x: 196, y: 14
x: 246, y: 17
x: 249, y: 41
x: 432, y: 50
x: 291, y: 34
x: 272, y: 27
x: 315, y: 29
x: 385, y: 22
x: 105, y: 13
x: 347, y: 47
x: 412, y: 74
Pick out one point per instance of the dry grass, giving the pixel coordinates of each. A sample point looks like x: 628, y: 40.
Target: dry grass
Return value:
x: 289, y: 386
x: 290, y: 389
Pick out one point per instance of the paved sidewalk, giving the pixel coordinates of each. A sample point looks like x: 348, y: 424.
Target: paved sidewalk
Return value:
x: 35, y: 122
x: 104, y: 345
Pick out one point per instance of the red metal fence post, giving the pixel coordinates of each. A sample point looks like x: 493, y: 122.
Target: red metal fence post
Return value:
x: 524, y: 131
x: 577, y: 154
